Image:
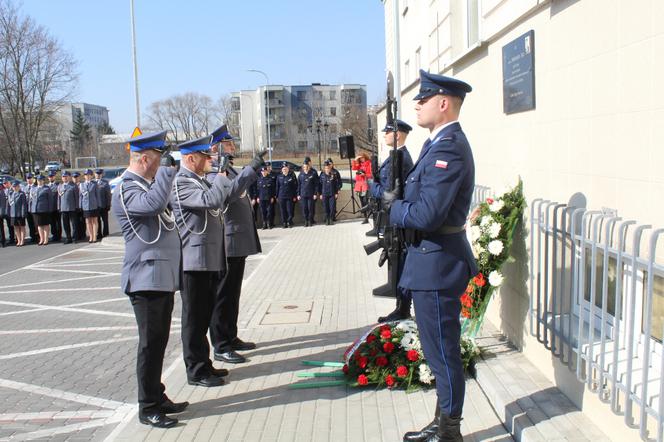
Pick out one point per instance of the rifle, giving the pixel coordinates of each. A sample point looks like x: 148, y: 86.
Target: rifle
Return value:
x: 392, y: 239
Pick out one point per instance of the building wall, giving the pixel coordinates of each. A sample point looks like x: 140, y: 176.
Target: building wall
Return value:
x: 596, y: 129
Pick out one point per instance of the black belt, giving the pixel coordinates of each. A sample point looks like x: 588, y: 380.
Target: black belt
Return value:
x: 413, y: 236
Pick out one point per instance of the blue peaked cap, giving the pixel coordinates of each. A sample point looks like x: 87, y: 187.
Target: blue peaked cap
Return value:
x: 201, y: 145
x: 432, y: 84
x: 220, y: 134
x: 402, y: 126
x: 148, y: 141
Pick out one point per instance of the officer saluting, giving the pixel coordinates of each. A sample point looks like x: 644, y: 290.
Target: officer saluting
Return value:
x: 197, y: 207
x: 439, y: 261
x: 151, y: 268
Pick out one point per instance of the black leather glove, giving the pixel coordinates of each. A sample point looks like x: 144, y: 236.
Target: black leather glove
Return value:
x: 167, y: 160
x: 389, y: 196
x: 257, y: 162
x: 224, y: 162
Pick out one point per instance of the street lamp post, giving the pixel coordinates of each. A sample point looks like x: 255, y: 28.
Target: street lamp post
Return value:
x: 318, y: 124
x: 267, y: 99
x: 133, y: 53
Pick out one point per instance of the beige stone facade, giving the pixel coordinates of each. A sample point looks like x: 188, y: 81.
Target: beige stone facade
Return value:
x: 597, y: 127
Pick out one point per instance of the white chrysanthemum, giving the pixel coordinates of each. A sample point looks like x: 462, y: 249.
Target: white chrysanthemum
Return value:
x: 486, y: 220
x: 495, y: 278
x: 425, y: 374
x: 495, y: 247
x: 493, y: 230
x: 497, y: 205
x: 407, y: 326
x: 477, y: 249
x: 475, y: 233
x: 407, y: 341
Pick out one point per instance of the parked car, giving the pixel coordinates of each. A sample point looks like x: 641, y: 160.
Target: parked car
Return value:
x: 278, y: 164
x: 53, y: 165
x: 10, y: 178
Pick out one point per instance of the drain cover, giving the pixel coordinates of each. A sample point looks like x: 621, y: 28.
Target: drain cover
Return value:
x: 296, y: 313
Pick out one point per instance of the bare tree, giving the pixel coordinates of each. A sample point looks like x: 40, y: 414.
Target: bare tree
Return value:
x: 186, y: 116
x: 37, y: 77
x: 355, y: 122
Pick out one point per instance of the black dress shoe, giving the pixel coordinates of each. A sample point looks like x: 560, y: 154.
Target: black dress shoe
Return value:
x: 157, y: 419
x: 239, y: 344
x: 231, y: 357
x: 69, y: 241
x: 170, y: 407
x: 210, y: 381
x: 221, y: 372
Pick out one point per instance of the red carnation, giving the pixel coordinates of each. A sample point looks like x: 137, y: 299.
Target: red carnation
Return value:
x: 489, y: 200
x: 465, y: 313
x: 371, y: 338
x: 385, y: 327
x: 466, y: 301
x: 402, y: 371
x: 373, y: 352
x: 362, y: 379
x: 412, y: 355
x: 362, y: 361
x: 388, y: 347
x: 389, y: 380
x: 345, y: 369
x: 469, y: 289
x: 381, y: 361
x: 386, y: 334
x: 479, y: 280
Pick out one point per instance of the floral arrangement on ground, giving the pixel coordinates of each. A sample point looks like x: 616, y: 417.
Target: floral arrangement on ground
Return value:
x: 390, y: 355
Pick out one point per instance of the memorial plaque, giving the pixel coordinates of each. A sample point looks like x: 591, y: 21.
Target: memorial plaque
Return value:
x: 519, y: 74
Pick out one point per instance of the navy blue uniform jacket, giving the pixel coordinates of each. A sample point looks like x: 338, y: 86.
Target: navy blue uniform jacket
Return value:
x: 438, y: 192
x: 267, y: 187
x: 307, y: 184
x: 287, y: 186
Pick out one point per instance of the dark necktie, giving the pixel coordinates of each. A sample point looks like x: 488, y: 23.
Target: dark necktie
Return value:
x: 424, y: 148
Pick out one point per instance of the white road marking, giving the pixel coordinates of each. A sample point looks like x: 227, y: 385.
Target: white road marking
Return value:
x: 46, y: 269
x: 80, y: 414
x: 59, y: 308
x: 61, y: 394
x: 58, y: 281
x: 68, y: 289
x: 64, y: 347
x: 56, y: 266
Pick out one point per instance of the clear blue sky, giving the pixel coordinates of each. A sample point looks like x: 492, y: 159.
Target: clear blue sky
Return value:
x: 205, y: 46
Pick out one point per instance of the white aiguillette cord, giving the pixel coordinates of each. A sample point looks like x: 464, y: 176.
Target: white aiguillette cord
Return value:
x: 162, y: 217
x: 213, y: 212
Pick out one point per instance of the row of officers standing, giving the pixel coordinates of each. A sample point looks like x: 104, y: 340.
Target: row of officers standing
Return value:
x: 306, y: 188
x: 47, y: 207
x: 190, y: 230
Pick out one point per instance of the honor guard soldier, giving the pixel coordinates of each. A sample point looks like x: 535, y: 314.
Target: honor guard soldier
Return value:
x: 68, y: 207
x: 80, y: 220
x: 104, y: 202
x: 18, y: 211
x: 287, y: 195
x: 151, y: 268
x: 394, y: 133
x: 6, y: 189
x: 89, y: 204
x: 307, y: 190
x: 4, y: 206
x: 197, y: 206
x: 41, y: 207
x: 29, y: 189
x: 241, y: 240
x: 439, y: 262
x: 56, y: 226
x: 330, y: 184
x: 267, y: 192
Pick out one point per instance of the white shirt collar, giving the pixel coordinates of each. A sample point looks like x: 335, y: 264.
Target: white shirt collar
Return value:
x: 435, y: 132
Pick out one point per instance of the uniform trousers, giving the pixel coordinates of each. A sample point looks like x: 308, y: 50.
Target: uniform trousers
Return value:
x: 223, y: 326
x: 286, y: 207
x: 56, y: 227
x: 31, y: 227
x: 102, y: 221
x: 437, y: 316
x: 308, y: 205
x: 330, y: 206
x: 10, y: 228
x: 267, y: 211
x: 198, y: 295
x: 81, y: 224
x: 153, y: 316
x: 69, y: 224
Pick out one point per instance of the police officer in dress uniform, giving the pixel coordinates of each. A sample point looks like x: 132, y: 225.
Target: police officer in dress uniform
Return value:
x: 68, y: 207
x: 287, y: 195
x: 400, y: 132
x: 330, y: 184
x: 439, y: 261
x: 80, y: 219
x: 151, y: 268
x: 56, y: 227
x: 307, y: 192
x: 4, y: 205
x: 241, y: 240
x: 18, y: 211
x: 197, y: 206
x: 104, y: 202
x: 41, y: 205
x: 267, y: 192
x: 89, y: 204
x: 29, y: 189
x: 5, y: 190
